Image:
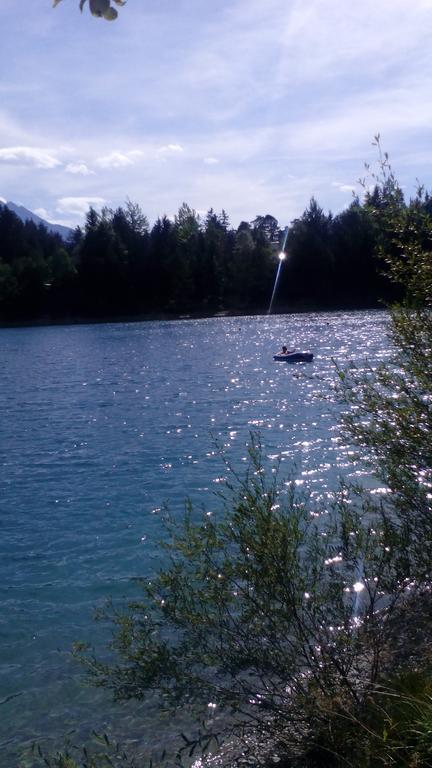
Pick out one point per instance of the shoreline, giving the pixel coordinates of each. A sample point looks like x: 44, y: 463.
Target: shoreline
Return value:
x: 173, y: 316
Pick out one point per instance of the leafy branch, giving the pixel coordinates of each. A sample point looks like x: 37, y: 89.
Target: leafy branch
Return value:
x: 102, y: 9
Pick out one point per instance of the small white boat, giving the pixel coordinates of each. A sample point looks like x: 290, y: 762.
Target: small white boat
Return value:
x: 294, y: 357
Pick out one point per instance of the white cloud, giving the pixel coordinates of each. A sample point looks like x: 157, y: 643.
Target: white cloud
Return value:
x: 79, y: 168
x: 210, y: 160
x: 29, y: 156
x: 47, y: 216
x: 344, y: 187
x: 119, y: 159
x: 78, y: 206
x: 42, y: 212
x: 170, y: 149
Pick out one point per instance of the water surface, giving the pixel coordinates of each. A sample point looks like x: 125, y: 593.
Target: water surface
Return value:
x: 99, y: 426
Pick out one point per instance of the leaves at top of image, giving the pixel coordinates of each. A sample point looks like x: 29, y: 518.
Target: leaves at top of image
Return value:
x: 100, y: 8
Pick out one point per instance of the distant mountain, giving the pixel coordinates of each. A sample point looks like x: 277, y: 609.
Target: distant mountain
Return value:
x: 25, y: 215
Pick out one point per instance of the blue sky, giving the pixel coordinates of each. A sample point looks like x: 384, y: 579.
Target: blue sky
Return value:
x: 249, y: 106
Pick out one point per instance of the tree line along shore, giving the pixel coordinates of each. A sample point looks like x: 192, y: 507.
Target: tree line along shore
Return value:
x: 117, y: 266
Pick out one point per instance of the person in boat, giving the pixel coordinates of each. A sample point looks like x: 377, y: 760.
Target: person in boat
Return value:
x: 286, y: 351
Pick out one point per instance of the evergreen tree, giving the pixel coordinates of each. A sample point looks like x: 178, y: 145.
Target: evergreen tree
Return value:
x: 184, y: 258
x: 102, y: 266
x: 269, y: 226
x: 162, y: 277
x: 310, y: 268
x: 357, y: 278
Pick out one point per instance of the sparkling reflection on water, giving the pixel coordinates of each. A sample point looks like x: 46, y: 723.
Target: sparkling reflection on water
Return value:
x: 99, y: 425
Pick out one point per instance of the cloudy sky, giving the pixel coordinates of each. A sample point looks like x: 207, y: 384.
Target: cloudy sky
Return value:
x: 238, y: 104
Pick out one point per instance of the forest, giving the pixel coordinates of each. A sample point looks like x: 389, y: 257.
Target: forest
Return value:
x: 117, y: 266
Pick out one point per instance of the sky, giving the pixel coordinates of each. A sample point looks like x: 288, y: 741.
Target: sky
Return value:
x: 252, y: 107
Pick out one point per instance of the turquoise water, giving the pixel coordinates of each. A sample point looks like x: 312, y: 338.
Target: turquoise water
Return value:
x: 100, y: 425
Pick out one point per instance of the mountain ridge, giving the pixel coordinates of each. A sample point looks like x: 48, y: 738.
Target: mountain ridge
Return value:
x: 24, y: 214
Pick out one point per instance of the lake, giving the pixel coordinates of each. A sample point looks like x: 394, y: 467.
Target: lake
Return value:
x: 100, y: 426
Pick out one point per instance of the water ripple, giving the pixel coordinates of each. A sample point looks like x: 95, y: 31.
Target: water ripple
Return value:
x: 99, y: 426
